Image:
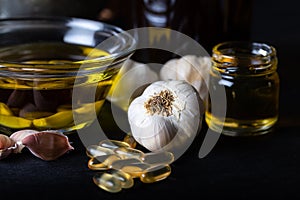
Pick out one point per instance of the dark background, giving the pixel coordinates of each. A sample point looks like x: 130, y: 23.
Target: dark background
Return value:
x: 237, y: 168
x: 276, y: 22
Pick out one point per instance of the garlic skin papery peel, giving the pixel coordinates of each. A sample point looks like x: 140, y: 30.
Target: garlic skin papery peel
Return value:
x: 166, y: 116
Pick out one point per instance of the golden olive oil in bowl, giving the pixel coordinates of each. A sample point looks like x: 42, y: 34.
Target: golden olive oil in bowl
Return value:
x: 38, y: 75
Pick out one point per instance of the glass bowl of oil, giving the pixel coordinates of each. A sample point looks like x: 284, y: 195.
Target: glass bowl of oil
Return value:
x: 52, y: 69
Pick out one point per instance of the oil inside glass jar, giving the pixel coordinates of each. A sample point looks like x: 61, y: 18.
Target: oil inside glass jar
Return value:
x: 247, y: 73
x: 252, y: 104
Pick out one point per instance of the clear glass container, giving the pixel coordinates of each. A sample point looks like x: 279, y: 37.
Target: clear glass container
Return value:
x: 42, y: 61
x: 248, y: 73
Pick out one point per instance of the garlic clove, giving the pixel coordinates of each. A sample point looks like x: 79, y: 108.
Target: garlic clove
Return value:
x: 5, y: 141
x: 191, y: 68
x: 18, y: 136
x: 7, y: 146
x: 166, y: 116
x: 7, y: 151
x: 47, y: 145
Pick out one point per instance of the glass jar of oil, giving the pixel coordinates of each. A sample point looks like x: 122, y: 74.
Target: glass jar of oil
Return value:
x: 247, y: 73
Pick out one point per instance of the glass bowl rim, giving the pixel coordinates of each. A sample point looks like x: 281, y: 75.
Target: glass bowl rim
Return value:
x: 119, y: 32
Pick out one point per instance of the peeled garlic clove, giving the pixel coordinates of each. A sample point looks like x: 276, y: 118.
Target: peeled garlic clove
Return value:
x: 47, y: 145
x: 192, y: 69
x: 166, y: 116
x: 132, y: 75
x: 19, y: 136
x: 7, y: 145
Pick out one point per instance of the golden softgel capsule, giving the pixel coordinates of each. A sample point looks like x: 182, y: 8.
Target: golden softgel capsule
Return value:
x: 123, y: 163
x: 113, y: 144
x: 124, y: 152
x: 119, y: 164
x: 125, y: 178
x: 102, y: 162
x: 130, y: 140
x: 107, y: 182
x: 135, y: 169
x: 155, y: 173
x: 162, y: 157
x: 95, y: 150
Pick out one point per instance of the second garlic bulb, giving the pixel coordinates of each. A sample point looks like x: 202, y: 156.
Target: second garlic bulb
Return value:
x: 131, y: 76
x: 191, y: 68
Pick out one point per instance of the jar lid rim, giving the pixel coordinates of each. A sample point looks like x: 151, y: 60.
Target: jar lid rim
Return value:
x: 244, y: 49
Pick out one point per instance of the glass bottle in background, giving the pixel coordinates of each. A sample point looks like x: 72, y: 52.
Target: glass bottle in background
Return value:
x: 247, y: 72
x: 209, y: 22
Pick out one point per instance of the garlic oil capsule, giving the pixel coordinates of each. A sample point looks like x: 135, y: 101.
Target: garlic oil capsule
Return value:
x: 95, y: 150
x: 135, y: 169
x: 125, y: 178
x: 107, y: 182
x: 97, y: 164
x: 162, y: 157
x: 129, y: 139
x: 124, y: 153
x: 155, y: 173
x: 113, y: 144
x: 102, y: 162
x: 119, y: 164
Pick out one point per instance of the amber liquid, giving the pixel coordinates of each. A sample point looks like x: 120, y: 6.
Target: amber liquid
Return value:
x: 252, y: 104
x: 46, y: 103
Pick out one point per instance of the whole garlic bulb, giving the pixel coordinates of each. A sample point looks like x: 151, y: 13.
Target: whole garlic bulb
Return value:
x: 167, y: 116
x: 192, y: 69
